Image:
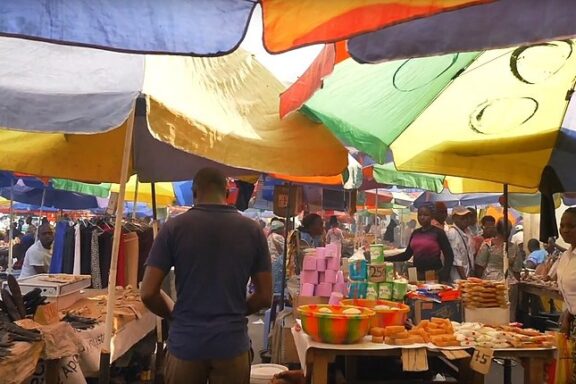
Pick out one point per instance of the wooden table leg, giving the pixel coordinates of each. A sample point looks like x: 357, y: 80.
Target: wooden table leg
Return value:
x: 320, y: 368
x: 533, y: 370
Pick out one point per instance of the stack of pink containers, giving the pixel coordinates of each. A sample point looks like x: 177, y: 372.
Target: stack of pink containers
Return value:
x: 321, y: 274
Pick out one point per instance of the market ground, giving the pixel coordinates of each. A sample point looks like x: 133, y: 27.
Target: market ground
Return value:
x: 256, y: 329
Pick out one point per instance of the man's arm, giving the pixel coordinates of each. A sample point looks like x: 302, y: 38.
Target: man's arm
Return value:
x: 152, y: 297
x: 262, y: 296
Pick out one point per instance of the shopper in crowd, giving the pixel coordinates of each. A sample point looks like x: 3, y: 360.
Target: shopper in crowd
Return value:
x: 567, y: 278
x: 490, y: 260
x: 30, y: 227
x: 473, y: 228
x: 276, y: 247
x: 334, y: 233
x: 440, y: 215
x: 490, y: 263
x: 461, y: 243
x: 214, y: 251
x: 537, y: 255
x: 426, y: 246
x: 38, y: 256
x: 488, y: 224
x: 389, y: 234
x: 308, y: 235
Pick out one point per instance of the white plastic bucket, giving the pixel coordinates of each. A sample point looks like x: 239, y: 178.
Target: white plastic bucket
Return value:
x: 264, y: 373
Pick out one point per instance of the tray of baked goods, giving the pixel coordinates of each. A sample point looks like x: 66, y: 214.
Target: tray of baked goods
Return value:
x: 477, y: 293
x: 55, y: 285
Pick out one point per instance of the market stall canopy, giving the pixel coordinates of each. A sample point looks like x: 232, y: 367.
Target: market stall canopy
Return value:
x: 222, y: 109
x: 501, y: 24
x: 387, y: 174
x: 53, y: 198
x: 205, y: 27
x: 520, y: 202
x: 8, y: 179
x: 495, y: 116
x: 164, y: 192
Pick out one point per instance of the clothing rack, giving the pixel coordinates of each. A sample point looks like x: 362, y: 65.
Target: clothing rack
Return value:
x: 84, y: 246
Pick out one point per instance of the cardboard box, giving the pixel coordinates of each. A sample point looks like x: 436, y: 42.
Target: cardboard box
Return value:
x: 425, y: 310
x: 491, y: 316
x: 283, y: 346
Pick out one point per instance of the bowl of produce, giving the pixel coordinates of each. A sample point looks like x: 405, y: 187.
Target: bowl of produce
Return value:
x: 388, y: 313
x: 336, y: 324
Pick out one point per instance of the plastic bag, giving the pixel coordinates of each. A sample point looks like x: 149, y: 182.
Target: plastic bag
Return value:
x: 560, y: 370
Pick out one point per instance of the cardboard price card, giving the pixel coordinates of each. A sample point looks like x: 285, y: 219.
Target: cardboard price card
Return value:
x: 414, y: 360
x: 482, y: 360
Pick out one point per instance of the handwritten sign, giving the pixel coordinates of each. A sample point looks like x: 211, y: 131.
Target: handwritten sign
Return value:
x: 377, y: 273
x: 482, y: 360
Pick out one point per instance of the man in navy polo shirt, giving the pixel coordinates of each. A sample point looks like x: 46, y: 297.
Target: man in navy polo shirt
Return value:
x: 214, y: 251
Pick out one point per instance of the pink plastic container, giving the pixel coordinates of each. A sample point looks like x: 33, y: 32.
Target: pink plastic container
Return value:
x: 307, y: 290
x: 309, y: 263
x: 309, y: 277
x: 330, y: 276
x: 323, y: 290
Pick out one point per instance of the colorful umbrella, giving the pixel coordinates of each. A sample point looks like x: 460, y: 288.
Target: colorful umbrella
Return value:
x: 220, y: 109
x: 205, y: 27
x: 492, y: 116
x: 503, y: 23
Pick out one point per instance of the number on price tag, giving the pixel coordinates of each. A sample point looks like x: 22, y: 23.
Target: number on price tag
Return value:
x: 482, y: 360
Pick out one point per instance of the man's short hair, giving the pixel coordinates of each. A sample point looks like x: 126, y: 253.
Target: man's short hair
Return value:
x: 210, y: 179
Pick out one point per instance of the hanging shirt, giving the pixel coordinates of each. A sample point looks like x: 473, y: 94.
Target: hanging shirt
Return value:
x: 463, y: 252
x: 566, y: 272
x: 36, y: 256
x: 58, y: 247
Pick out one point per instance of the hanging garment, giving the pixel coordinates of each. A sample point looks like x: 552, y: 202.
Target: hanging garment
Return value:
x: 95, y: 261
x: 105, y: 247
x: 77, y: 256
x: 58, y: 247
x: 68, y: 254
x: 121, y: 266
x: 145, y: 240
x: 86, y: 251
x: 131, y: 257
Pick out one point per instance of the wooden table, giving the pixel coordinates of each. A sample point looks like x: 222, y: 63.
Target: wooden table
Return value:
x: 540, y: 290
x: 318, y: 359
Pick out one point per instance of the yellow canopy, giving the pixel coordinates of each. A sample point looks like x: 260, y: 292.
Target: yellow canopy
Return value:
x: 91, y: 158
x: 226, y: 109
x: 164, y: 192
x: 499, y: 120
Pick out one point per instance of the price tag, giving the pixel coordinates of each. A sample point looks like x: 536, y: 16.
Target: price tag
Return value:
x: 414, y: 360
x: 482, y: 360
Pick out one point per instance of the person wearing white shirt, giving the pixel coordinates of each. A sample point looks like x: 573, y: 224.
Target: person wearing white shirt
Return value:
x: 39, y: 256
x: 566, y: 272
x: 461, y: 244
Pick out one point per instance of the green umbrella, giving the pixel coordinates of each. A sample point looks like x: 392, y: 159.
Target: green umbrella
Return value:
x: 99, y: 190
x: 495, y: 115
